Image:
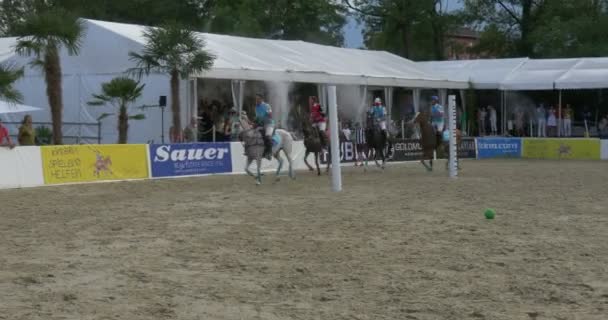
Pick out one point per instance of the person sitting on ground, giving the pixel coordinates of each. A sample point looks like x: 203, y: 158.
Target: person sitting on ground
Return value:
x: 5, y: 138
x: 27, y: 137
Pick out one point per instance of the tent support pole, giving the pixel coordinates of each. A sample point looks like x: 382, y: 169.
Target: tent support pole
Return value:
x: 336, y: 170
x: 559, y: 113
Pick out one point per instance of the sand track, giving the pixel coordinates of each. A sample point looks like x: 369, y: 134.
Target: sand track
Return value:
x: 386, y: 248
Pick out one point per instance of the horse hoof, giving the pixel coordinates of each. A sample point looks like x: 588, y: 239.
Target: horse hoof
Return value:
x: 257, y: 183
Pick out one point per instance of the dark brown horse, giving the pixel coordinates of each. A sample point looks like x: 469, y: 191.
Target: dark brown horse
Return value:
x: 376, y: 142
x: 314, y: 143
x: 431, y: 141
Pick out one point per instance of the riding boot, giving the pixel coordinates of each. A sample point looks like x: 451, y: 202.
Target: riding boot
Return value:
x: 323, y: 139
x: 267, y: 147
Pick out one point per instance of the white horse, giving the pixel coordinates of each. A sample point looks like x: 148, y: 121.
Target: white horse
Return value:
x: 253, y: 143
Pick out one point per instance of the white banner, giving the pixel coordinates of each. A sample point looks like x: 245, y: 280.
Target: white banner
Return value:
x: 20, y: 167
x: 604, y: 150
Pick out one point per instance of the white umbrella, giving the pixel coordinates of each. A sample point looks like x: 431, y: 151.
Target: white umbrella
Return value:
x: 6, y: 107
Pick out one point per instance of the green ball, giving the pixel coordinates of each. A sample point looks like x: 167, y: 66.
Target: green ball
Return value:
x: 490, y: 214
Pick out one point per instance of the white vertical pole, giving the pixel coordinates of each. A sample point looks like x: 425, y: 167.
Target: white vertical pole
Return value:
x: 559, y: 121
x: 453, y: 161
x: 195, y: 109
x: 336, y: 170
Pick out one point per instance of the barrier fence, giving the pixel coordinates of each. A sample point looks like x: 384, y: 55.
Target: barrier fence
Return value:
x: 49, y: 165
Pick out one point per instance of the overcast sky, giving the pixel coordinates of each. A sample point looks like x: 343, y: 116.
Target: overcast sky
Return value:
x: 352, y: 31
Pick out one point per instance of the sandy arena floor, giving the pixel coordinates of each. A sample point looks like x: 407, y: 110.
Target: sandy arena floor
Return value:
x: 402, y: 244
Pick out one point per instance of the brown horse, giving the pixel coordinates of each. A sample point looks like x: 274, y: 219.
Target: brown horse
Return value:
x: 314, y: 143
x: 431, y: 141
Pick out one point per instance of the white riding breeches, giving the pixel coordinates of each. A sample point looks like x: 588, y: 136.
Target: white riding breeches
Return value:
x: 322, y: 126
x: 438, y: 127
x: 382, y: 125
x: 268, y: 130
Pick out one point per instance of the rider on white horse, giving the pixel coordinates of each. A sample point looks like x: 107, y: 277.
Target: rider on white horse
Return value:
x: 264, y: 121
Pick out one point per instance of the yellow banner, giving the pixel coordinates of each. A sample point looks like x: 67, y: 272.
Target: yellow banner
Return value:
x: 579, y: 149
x: 82, y: 163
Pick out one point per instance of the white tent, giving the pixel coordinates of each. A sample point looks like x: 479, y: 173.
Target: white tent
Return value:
x: 298, y: 61
x: 104, y: 55
x: 482, y: 74
x: 6, y: 108
x: 538, y: 74
x: 588, y: 73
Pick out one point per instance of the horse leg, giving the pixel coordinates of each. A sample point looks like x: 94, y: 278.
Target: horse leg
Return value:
x: 317, y: 163
x: 292, y: 174
x: 247, y: 166
x: 306, y: 160
x: 426, y: 166
x: 376, y: 155
x: 328, y: 160
x: 259, y: 165
x: 280, y: 160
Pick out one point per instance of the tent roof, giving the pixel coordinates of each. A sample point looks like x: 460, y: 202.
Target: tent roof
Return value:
x: 538, y: 74
x: 7, y: 48
x: 482, y: 74
x: 298, y: 61
x: 589, y: 73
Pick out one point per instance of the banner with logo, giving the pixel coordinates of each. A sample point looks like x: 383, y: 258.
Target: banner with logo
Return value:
x: 407, y: 150
x: 489, y: 148
x: 168, y: 160
x: 347, y: 153
x: 82, y: 163
x: 411, y: 149
x: 578, y: 149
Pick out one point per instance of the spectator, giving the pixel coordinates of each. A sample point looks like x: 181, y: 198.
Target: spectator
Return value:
x: 27, y: 137
x: 175, y: 135
x: 541, y: 117
x: 519, y: 123
x: 482, y: 122
x: 603, y: 127
x: 552, y: 122
x: 231, y: 126
x: 493, y: 120
x: 360, y: 144
x: 5, y: 138
x: 189, y: 131
x: 567, y: 114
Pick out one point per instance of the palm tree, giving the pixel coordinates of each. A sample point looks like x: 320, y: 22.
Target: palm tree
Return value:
x: 120, y: 92
x: 175, y: 51
x: 8, y: 76
x: 42, y: 35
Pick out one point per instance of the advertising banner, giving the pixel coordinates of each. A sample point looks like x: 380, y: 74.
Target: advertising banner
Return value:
x: 411, y: 150
x: 82, y: 163
x: 347, y: 153
x: 577, y: 149
x: 604, y: 148
x: 168, y: 160
x: 489, y: 148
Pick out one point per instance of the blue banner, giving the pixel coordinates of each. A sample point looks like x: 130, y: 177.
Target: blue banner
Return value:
x: 488, y: 148
x: 169, y: 160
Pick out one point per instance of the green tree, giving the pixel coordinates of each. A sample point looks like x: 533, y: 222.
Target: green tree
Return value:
x: 540, y: 28
x: 120, y: 92
x: 42, y: 35
x: 8, y: 76
x: 414, y: 29
x: 319, y: 21
x: 175, y: 51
